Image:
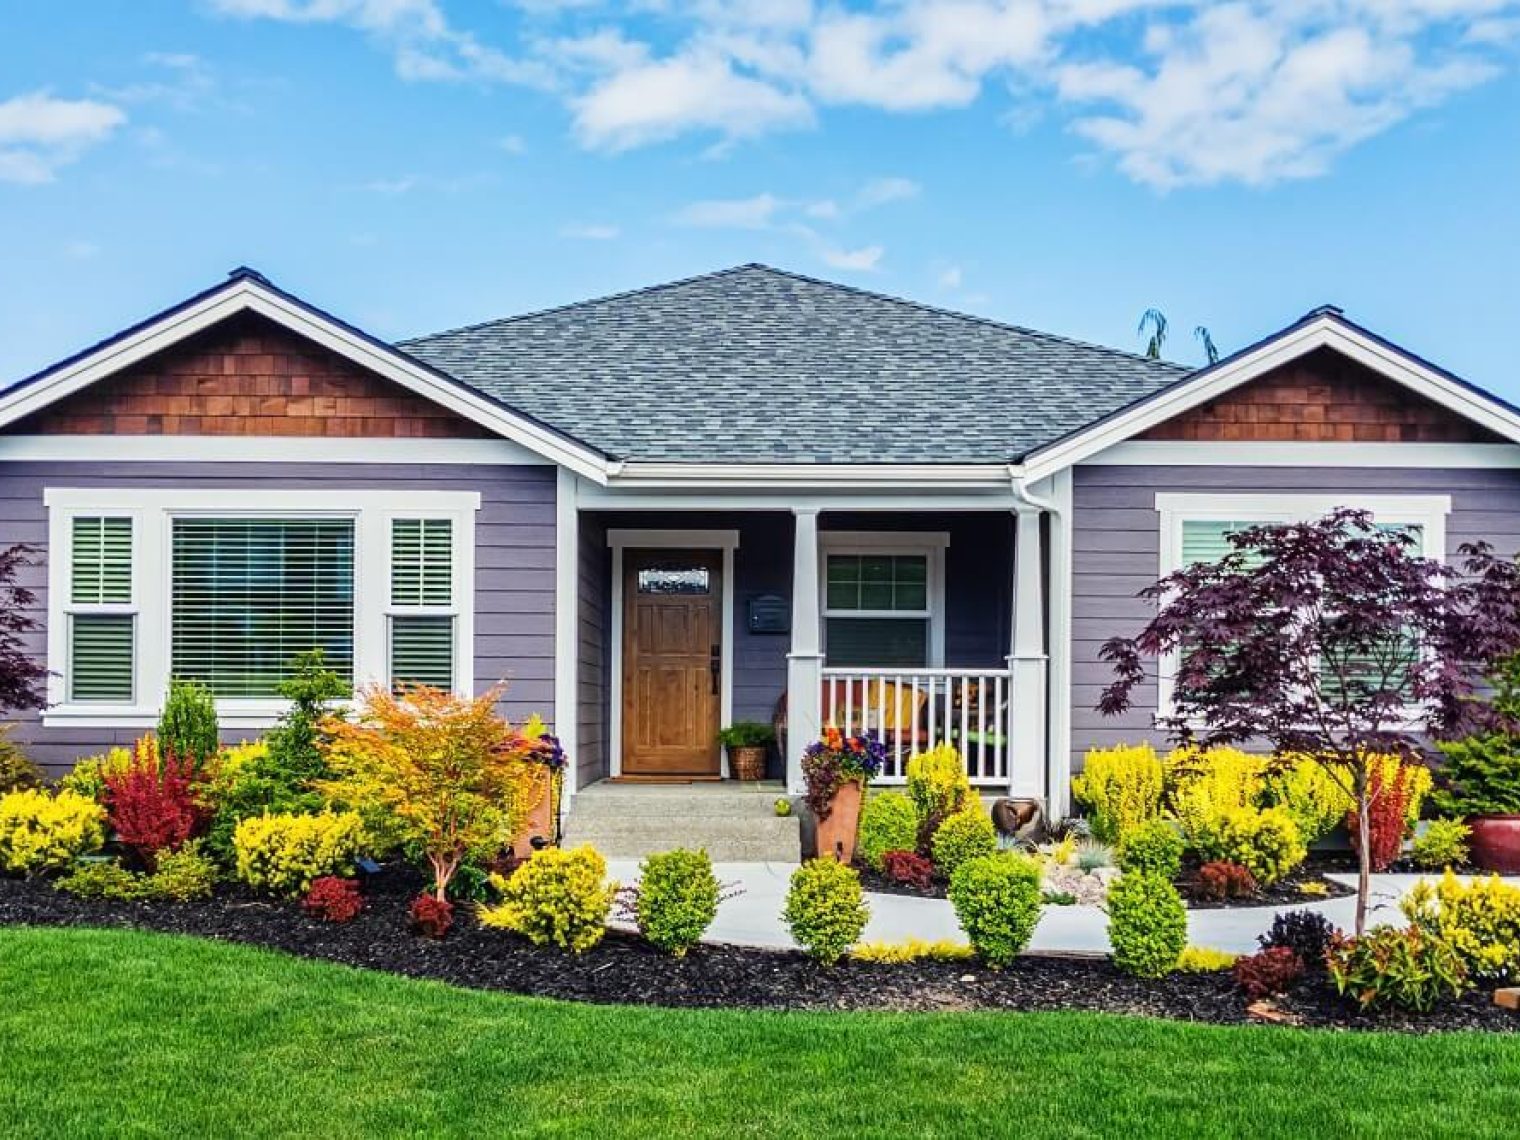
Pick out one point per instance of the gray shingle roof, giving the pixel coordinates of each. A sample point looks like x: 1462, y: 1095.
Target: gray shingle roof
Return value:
x: 762, y: 366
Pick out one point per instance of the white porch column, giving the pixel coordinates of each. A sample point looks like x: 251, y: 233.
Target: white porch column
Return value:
x: 1027, y: 661
x: 804, y: 664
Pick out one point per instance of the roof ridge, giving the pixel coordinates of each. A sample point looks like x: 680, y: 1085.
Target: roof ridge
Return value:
x: 584, y: 304
x: 921, y: 306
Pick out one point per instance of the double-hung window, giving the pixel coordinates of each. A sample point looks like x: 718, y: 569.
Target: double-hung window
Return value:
x: 883, y: 599
x: 228, y: 588
x: 1194, y: 529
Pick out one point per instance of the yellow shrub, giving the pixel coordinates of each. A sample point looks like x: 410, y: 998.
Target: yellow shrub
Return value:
x: 1119, y: 788
x: 282, y: 854
x: 1309, y: 793
x: 40, y: 831
x: 557, y: 897
x: 912, y: 950
x: 1205, y: 960
x: 237, y: 759
x: 937, y: 782
x: 88, y: 776
x: 1206, y: 785
x: 1481, y: 921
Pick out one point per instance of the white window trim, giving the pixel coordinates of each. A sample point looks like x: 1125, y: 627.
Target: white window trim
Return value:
x: 619, y: 540
x: 931, y: 544
x: 153, y: 510
x: 1175, y: 508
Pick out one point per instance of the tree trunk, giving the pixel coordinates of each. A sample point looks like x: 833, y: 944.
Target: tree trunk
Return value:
x: 1363, y: 859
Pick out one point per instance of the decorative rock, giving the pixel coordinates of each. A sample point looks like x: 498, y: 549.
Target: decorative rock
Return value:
x: 1508, y: 998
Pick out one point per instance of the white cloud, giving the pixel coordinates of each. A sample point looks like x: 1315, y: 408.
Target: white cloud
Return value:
x: 950, y: 277
x: 881, y: 191
x: 589, y: 231
x: 40, y: 134
x: 1172, y: 92
x: 731, y: 213
x: 863, y: 260
x: 513, y: 144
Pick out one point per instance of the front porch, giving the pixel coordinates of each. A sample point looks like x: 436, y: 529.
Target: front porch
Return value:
x: 924, y: 627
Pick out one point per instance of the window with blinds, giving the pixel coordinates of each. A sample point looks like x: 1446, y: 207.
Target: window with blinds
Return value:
x: 101, y: 618
x: 422, y: 618
x: 248, y: 595
x: 876, y: 610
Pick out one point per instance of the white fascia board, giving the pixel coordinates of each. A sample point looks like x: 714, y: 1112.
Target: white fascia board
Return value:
x: 1323, y: 332
x: 1262, y: 453
x: 248, y: 295
x: 823, y: 476
x: 265, y: 449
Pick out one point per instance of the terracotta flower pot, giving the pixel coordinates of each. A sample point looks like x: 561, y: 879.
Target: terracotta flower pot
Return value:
x: 540, y: 821
x: 836, y: 834
x: 1495, y: 842
x: 747, y: 762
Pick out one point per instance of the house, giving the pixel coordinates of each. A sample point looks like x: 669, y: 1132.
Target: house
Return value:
x: 747, y: 495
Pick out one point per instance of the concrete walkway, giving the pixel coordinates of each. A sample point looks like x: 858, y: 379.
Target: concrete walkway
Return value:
x: 754, y: 917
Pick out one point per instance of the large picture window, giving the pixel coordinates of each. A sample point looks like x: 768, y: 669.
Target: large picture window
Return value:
x: 249, y: 595
x: 227, y: 588
x: 883, y: 600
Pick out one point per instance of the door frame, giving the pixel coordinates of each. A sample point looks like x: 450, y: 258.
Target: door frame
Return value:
x: 724, y: 541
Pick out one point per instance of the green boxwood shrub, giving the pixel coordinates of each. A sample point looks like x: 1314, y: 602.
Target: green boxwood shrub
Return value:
x: 825, y: 909
x: 888, y: 822
x: 997, y: 900
x: 1147, y: 924
x: 965, y: 835
x: 1444, y: 844
x: 677, y: 899
x: 1154, y: 847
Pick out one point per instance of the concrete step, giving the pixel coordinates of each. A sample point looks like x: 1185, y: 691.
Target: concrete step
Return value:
x: 731, y: 825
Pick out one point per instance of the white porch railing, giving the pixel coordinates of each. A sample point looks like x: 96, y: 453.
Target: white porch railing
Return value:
x: 916, y: 709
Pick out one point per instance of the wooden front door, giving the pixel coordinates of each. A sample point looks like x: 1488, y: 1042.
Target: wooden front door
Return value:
x: 672, y: 662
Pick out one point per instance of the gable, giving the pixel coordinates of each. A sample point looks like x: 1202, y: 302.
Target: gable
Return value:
x: 1322, y: 397
x: 247, y: 376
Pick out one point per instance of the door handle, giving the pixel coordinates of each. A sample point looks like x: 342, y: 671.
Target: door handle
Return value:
x: 715, y: 668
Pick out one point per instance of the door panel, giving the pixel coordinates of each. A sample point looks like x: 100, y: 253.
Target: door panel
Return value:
x: 672, y: 646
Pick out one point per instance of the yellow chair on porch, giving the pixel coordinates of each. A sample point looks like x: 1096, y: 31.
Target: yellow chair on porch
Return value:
x: 895, y: 711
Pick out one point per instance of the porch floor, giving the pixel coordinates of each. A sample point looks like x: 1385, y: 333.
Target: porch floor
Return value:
x: 732, y: 821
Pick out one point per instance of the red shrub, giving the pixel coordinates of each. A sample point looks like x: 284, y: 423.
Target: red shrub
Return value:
x: 152, y: 804
x: 432, y: 916
x: 908, y: 868
x: 1220, y: 880
x: 332, y: 899
x: 1388, y: 804
x: 1269, y: 972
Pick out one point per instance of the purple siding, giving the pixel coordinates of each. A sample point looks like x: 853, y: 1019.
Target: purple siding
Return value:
x: 514, y: 560
x: 1116, y: 553
x: 595, y: 652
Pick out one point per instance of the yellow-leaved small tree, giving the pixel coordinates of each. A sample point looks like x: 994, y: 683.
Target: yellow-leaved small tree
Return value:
x: 445, y: 773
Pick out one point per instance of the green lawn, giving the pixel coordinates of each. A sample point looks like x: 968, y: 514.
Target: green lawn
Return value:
x: 119, y: 1033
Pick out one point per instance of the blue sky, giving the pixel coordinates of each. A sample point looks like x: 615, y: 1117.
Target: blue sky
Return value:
x: 1063, y: 164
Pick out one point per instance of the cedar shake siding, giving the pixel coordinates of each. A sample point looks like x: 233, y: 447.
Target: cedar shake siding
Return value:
x: 514, y: 562
x: 1322, y: 397
x: 248, y: 377
x: 1116, y: 553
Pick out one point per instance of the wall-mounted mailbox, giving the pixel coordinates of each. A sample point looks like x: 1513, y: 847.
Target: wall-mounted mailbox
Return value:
x: 770, y: 613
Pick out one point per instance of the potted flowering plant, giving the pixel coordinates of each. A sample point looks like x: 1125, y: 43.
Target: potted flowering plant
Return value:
x: 837, y: 770
x: 546, y: 767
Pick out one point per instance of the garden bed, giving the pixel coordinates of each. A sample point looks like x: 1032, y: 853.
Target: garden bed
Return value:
x: 626, y: 970
x: 1288, y: 892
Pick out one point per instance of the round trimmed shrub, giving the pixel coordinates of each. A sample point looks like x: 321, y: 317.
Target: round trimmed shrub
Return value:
x: 677, y: 899
x: 40, y: 831
x: 1154, y: 847
x: 966, y: 835
x: 997, y: 900
x: 888, y: 822
x: 1265, y: 842
x: 825, y: 909
x: 1147, y: 924
x: 557, y: 897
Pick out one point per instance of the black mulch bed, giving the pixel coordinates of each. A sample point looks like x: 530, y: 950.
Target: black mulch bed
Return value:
x: 625, y: 970
x: 1288, y: 892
